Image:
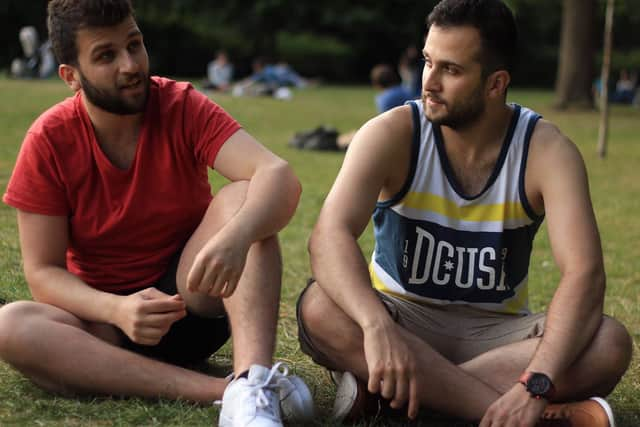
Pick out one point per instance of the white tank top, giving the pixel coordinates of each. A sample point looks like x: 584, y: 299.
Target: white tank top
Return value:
x: 436, y: 245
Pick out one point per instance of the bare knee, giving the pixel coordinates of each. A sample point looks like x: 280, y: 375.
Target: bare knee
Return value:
x: 325, y: 323
x: 314, y: 308
x: 17, y: 326
x: 617, y: 347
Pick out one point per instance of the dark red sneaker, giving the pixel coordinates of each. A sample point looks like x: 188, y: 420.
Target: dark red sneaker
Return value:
x: 594, y: 412
x: 354, y: 402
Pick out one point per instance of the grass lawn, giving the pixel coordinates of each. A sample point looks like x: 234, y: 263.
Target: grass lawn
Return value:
x: 615, y: 188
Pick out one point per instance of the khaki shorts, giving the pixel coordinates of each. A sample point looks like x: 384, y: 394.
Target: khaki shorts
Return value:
x: 457, y: 332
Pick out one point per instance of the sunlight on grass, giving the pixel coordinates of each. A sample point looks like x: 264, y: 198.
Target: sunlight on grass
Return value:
x: 615, y: 187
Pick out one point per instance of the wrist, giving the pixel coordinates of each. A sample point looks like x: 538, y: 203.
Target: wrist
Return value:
x: 114, y: 311
x: 377, y: 323
x: 237, y: 231
x: 538, y: 384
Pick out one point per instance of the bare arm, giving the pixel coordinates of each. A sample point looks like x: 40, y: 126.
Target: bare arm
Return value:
x: 44, y: 240
x: 336, y: 259
x: 556, y: 178
x: 274, y: 190
x: 338, y: 263
x: 269, y: 204
x: 575, y: 312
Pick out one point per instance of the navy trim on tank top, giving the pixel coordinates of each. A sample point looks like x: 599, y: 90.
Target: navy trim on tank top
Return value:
x: 415, y: 151
x: 446, y: 166
x: 525, y: 154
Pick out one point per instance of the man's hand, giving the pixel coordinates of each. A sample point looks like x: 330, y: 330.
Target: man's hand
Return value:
x: 392, y: 366
x: 516, y: 408
x: 218, y: 266
x: 146, y: 316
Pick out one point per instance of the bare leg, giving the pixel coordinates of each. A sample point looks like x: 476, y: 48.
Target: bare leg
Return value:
x: 595, y: 373
x: 65, y: 354
x: 59, y: 352
x: 443, y: 385
x: 468, y: 390
x: 253, y: 308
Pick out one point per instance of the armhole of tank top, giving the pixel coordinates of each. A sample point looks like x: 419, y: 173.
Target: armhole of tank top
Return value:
x: 415, y: 151
x: 523, y: 168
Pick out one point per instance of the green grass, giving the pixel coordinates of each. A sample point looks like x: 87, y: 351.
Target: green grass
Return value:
x: 615, y: 186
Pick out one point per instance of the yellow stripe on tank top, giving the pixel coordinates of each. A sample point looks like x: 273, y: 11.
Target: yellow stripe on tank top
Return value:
x: 478, y: 213
x: 375, y: 280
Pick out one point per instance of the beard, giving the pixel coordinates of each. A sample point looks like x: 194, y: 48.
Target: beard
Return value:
x: 112, y: 101
x: 461, y: 114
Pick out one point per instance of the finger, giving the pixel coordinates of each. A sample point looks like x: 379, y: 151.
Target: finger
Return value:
x: 148, y: 336
x: 219, y: 282
x: 401, y: 392
x: 414, y: 404
x: 231, y: 286
x: 194, y: 278
x: 388, y: 385
x: 209, y: 279
x: 486, y: 418
x: 375, y: 377
x: 165, y: 305
x: 162, y: 320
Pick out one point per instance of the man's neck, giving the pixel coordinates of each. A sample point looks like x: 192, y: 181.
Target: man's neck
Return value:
x: 484, y: 134
x: 112, y: 128
x: 117, y: 134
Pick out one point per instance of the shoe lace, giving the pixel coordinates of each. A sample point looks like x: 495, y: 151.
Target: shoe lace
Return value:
x: 262, y: 400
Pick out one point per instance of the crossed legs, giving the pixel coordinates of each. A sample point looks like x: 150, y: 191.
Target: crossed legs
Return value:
x: 468, y: 389
x: 67, y: 355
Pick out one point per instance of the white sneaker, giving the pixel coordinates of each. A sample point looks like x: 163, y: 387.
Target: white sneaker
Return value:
x: 252, y: 401
x: 346, y: 394
x: 296, y: 402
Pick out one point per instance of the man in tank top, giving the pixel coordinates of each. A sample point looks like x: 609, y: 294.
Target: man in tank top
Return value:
x: 458, y: 183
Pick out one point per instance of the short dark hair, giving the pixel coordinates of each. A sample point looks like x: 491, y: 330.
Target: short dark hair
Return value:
x: 495, y: 22
x: 383, y: 75
x: 66, y: 17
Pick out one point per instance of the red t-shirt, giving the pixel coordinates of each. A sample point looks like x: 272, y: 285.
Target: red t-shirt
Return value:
x: 125, y: 225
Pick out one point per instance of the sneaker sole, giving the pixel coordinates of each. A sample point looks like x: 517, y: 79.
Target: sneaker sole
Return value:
x: 607, y: 410
x: 346, y: 395
x: 225, y: 421
x: 305, y: 411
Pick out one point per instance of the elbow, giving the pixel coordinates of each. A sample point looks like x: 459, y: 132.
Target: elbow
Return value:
x: 290, y: 187
x: 592, y: 279
x: 34, y: 277
x: 293, y: 187
x: 599, y: 279
x: 312, y: 243
x: 315, y: 243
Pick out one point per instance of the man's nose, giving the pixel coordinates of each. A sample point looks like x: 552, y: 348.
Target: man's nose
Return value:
x: 128, y: 63
x: 430, y: 79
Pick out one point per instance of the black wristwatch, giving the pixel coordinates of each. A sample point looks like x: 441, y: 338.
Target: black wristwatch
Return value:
x: 538, y: 385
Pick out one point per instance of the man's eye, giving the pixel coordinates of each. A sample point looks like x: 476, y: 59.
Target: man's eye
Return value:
x: 106, y: 56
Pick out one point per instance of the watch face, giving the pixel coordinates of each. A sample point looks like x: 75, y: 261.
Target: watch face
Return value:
x: 538, y: 384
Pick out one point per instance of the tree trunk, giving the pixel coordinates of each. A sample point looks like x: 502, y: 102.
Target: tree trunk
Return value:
x: 576, y: 54
x: 604, y: 93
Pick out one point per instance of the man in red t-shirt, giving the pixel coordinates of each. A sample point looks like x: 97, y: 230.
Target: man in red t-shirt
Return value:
x: 135, y: 269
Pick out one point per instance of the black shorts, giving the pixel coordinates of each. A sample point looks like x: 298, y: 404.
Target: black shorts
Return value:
x: 191, y: 339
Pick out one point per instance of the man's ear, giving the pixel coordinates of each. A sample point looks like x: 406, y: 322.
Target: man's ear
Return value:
x: 498, y: 83
x: 70, y: 75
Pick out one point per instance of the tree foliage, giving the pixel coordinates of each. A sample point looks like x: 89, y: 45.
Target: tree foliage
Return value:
x: 332, y: 39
